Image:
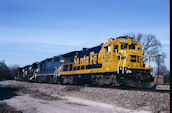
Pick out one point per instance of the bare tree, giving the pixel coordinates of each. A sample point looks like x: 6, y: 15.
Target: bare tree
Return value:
x: 4, y: 71
x: 13, y: 70
x: 149, y: 42
x: 161, y: 67
x: 151, y: 46
x: 164, y: 70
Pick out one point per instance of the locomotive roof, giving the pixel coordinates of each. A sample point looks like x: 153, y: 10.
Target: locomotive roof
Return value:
x: 27, y: 66
x: 58, y: 56
x: 125, y: 37
x: 35, y: 63
x: 71, y: 53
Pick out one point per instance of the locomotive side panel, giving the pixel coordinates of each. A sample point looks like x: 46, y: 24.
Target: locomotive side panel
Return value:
x: 86, y: 61
x: 49, y: 65
x: 48, y: 68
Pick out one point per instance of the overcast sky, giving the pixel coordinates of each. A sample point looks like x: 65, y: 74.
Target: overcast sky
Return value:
x: 32, y: 30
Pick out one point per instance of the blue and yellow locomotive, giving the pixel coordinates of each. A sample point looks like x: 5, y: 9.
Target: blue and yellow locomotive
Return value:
x: 116, y: 62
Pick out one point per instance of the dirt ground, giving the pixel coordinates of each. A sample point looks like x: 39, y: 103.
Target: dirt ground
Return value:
x: 28, y: 97
x: 4, y: 108
x: 7, y: 93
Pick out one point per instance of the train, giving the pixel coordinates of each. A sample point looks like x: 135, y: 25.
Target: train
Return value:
x: 117, y: 62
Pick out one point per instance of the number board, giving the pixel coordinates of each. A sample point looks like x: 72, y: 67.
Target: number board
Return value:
x: 123, y: 41
x: 134, y: 42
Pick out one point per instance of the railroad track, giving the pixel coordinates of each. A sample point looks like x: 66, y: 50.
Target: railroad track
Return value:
x: 158, y: 88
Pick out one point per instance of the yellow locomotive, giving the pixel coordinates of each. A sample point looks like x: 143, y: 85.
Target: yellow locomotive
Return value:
x: 117, y: 62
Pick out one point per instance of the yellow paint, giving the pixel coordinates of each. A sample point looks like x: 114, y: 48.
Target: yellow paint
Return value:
x: 24, y: 74
x: 34, y: 73
x: 110, y: 59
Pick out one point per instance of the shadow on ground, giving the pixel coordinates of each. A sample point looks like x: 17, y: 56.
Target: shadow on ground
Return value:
x: 7, y: 92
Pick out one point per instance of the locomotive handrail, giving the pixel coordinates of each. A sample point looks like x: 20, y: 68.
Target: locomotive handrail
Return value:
x: 120, y: 54
x: 116, y: 51
x: 34, y: 74
x: 55, y: 73
x: 124, y: 63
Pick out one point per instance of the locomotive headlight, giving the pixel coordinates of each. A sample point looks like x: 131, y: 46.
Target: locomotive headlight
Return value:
x: 128, y: 71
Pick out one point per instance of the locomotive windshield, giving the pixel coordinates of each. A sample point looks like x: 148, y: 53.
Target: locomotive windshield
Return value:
x: 132, y: 46
x: 116, y: 48
x: 124, y: 46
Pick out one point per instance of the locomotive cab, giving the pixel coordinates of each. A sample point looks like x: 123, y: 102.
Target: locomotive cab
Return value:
x: 130, y: 60
x: 129, y: 53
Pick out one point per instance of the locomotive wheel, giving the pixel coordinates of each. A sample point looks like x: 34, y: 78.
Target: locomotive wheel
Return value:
x: 67, y: 80
x: 50, y: 79
x: 136, y: 84
x: 104, y: 79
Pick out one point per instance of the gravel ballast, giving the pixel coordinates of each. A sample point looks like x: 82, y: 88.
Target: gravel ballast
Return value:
x: 155, y: 102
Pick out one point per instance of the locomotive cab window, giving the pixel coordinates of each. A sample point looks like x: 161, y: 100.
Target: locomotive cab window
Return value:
x: 49, y: 60
x: 115, y: 48
x: 124, y: 46
x: 107, y: 49
x: 132, y: 46
x: 56, y: 59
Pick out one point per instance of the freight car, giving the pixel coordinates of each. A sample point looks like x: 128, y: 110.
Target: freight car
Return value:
x: 116, y: 62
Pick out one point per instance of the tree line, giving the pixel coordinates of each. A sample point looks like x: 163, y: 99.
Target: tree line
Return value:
x: 7, y: 72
